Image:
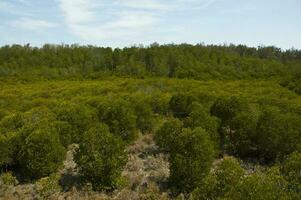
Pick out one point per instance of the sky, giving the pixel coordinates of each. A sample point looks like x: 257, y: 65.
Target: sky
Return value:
x: 119, y: 23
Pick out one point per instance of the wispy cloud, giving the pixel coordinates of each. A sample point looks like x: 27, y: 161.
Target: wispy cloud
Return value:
x: 32, y: 24
x: 109, y: 19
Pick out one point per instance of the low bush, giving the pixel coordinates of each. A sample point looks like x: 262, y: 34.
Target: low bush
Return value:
x: 101, y: 157
x: 41, y: 153
x: 190, y: 160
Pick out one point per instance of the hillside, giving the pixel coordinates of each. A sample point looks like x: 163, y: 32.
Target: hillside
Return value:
x: 158, y: 122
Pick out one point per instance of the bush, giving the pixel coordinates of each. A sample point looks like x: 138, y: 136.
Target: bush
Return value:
x: 198, y: 117
x: 144, y: 113
x: 41, y: 153
x: 65, y: 132
x: 180, y: 104
x: 160, y: 102
x: 191, y: 159
x: 8, y: 179
x: 227, y: 108
x: 225, y: 176
x: 165, y: 137
x: 241, y: 136
x: 12, y: 122
x: 278, y: 134
x: 101, y: 157
x: 120, y: 117
x: 3, y: 113
x: 262, y: 186
x: 291, y: 170
x: 7, y: 149
x: 78, y: 116
x: 48, y: 186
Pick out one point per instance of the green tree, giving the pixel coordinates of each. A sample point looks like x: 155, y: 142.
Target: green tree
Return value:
x: 180, y: 104
x: 191, y: 159
x: 120, y: 117
x: 80, y: 117
x: 227, y: 108
x: 144, y: 113
x: 225, y: 176
x: 199, y: 117
x: 278, y: 133
x: 41, y: 153
x: 7, y: 149
x: 166, y: 136
x: 262, y: 186
x: 242, y: 134
x: 101, y: 157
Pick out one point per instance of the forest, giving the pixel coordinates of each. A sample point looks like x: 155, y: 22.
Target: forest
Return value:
x: 195, y: 122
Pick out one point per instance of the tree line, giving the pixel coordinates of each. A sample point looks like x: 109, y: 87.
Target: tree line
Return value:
x: 199, y: 61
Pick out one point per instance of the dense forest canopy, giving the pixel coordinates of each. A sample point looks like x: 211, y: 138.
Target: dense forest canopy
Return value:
x: 183, y: 61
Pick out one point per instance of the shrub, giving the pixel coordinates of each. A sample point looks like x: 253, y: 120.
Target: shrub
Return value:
x: 198, y: 117
x: 144, y: 113
x: 241, y: 136
x: 101, y: 157
x: 262, y: 186
x: 180, y: 104
x: 160, y: 102
x: 165, y: 137
x: 227, y: 108
x: 41, y: 153
x: 78, y: 116
x: 8, y: 179
x: 225, y: 176
x: 120, y: 117
x: 38, y: 115
x: 7, y: 148
x: 191, y: 159
x: 291, y: 170
x: 11, y: 122
x: 48, y: 186
x: 3, y: 113
x: 278, y: 134
x: 65, y: 132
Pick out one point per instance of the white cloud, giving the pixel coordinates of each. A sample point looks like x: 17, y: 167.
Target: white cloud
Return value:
x: 32, y: 24
x: 114, y: 19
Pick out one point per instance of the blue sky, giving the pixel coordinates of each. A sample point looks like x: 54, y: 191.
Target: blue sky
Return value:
x: 119, y: 23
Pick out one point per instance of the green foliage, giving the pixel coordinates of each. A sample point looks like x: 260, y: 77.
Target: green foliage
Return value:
x: 191, y: 159
x: 225, y: 176
x: 183, y: 61
x: 241, y: 135
x: 101, y: 157
x: 278, y: 133
x: 121, y: 119
x: 7, y: 148
x: 167, y: 135
x: 291, y: 170
x: 160, y: 102
x: 8, y: 179
x: 11, y: 122
x: 180, y: 104
x: 143, y: 111
x: 262, y: 186
x: 78, y: 116
x: 41, y: 153
x: 227, y: 108
x: 199, y: 117
x: 65, y: 131
x: 48, y: 186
